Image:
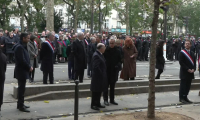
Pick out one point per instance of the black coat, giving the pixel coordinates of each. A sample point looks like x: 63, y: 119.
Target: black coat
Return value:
x: 90, y: 52
x: 80, y: 57
x: 113, y: 63
x: 2, y: 66
x: 185, y: 64
x: 160, y: 60
x: 9, y: 44
x: 99, y: 76
x: 22, y: 61
x: 46, y: 57
x: 69, y: 53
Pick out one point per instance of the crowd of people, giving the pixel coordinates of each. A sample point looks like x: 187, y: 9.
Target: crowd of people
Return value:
x: 104, y: 56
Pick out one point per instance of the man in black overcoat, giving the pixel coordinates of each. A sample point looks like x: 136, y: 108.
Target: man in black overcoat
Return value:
x: 3, y: 64
x: 22, y: 69
x: 113, y: 62
x: 47, y: 58
x: 99, y: 77
x: 187, y: 63
x: 89, y: 55
x: 80, y: 57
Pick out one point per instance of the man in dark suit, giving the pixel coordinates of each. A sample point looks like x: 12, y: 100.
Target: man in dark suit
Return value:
x: 47, y: 58
x: 2, y: 76
x: 89, y: 55
x: 113, y: 62
x: 22, y: 69
x: 80, y: 58
x: 99, y: 77
x: 187, y: 63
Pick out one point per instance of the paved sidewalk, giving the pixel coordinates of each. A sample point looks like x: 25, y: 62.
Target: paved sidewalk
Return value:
x: 63, y: 108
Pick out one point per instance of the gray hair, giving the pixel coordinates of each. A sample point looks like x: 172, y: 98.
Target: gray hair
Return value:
x: 49, y: 34
x: 93, y: 38
x: 99, y: 46
x: 99, y: 36
x: 112, y: 39
x: 79, y: 34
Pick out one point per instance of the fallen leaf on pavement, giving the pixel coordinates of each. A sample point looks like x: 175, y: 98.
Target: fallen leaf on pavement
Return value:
x: 46, y: 101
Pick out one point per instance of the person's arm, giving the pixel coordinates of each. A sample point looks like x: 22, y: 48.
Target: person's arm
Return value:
x: 96, y: 64
x: 20, y: 58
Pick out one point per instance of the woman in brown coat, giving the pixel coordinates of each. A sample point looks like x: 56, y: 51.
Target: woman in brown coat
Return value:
x: 129, y: 64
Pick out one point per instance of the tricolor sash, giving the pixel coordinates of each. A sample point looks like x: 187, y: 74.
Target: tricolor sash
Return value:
x: 50, y: 45
x: 86, y: 41
x: 188, y: 56
x: 60, y: 43
x: 64, y: 44
x: 36, y: 43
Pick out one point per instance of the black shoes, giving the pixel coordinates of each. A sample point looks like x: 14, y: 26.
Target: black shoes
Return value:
x: 23, y: 109
x: 106, y: 103
x: 188, y: 100
x: 113, y: 102
x: 23, y: 106
x: 95, y: 108
x: 101, y: 106
x: 185, y: 101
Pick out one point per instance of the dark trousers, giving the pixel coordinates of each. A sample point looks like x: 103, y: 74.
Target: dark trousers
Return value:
x: 79, y: 75
x: 21, y: 91
x: 32, y: 74
x: 71, y: 69
x: 45, y: 76
x: 160, y: 71
x: 89, y: 73
x: 96, y: 98
x: 10, y: 57
x: 1, y: 92
x: 184, y: 88
x: 112, y: 92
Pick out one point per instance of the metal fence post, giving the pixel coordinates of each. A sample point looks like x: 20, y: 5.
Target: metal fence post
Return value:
x: 76, y: 104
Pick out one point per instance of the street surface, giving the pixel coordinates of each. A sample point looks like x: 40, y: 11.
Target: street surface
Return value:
x: 65, y: 108
x: 61, y: 72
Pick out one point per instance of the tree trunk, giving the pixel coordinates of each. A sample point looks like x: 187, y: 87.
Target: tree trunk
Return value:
x: 50, y: 15
x: 173, y: 26
x: 92, y: 17
x: 76, y: 16
x: 127, y: 16
x: 151, y: 99
x: 100, y: 17
x: 22, y: 15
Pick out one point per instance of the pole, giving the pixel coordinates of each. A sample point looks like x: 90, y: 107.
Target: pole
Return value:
x: 186, y: 27
x: 76, y: 104
x: 92, y: 18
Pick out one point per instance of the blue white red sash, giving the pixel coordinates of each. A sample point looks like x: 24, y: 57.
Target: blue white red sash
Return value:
x: 64, y: 44
x: 60, y: 43
x: 50, y: 45
x: 36, y: 43
x: 86, y: 41
x: 188, y: 56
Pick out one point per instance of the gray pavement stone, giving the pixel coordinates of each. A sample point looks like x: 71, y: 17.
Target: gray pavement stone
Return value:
x: 59, y: 108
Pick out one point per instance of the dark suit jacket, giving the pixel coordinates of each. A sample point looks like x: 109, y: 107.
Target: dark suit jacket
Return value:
x: 113, y: 63
x: 46, y: 57
x: 99, y: 76
x: 80, y: 58
x: 22, y: 61
x: 3, y: 66
x: 185, y: 65
x: 90, y: 52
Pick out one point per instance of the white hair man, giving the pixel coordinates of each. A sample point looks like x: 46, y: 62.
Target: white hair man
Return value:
x: 80, y: 57
x: 99, y: 77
